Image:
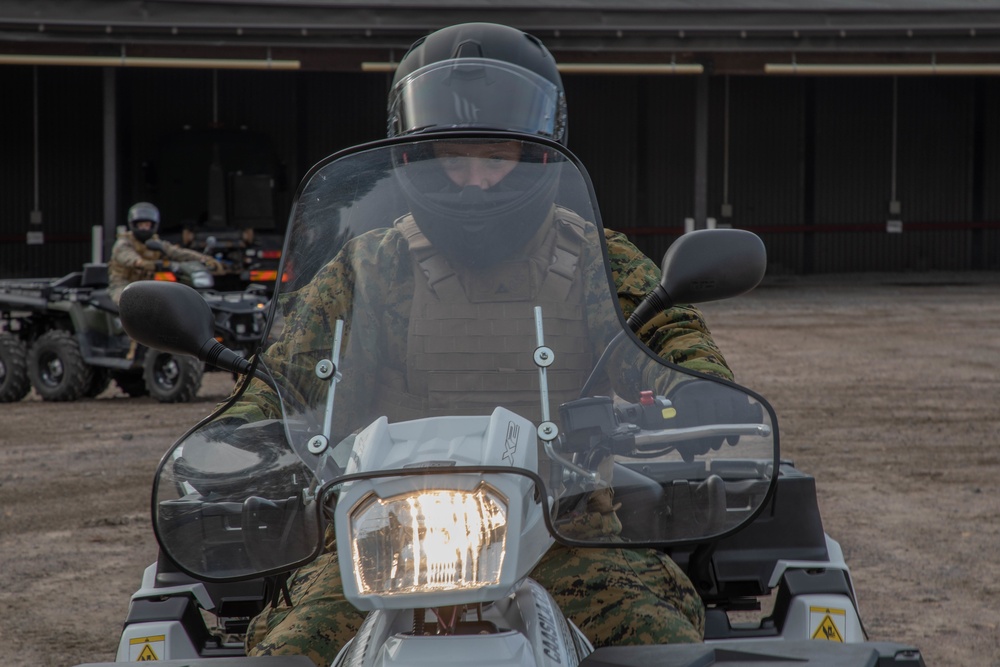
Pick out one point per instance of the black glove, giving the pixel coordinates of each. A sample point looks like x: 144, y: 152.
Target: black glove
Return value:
x: 703, y: 402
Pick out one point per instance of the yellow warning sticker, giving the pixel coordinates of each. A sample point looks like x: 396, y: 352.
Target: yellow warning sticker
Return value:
x: 829, y: 623
x: 146, y: 649
x: 146, y: 654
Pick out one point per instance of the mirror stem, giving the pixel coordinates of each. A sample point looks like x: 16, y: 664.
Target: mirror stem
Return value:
x: 216, y: 354
x: 655, y: 302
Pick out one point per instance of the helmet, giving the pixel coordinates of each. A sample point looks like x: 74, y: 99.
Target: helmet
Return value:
x: 488, y: 77
x: 480, y: 76
x: 143, y: 212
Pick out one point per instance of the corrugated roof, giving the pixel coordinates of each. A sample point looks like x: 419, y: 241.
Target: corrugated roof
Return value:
x: 588, y: 28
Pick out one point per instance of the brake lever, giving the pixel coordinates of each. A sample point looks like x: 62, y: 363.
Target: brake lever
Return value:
x: 649, y: 439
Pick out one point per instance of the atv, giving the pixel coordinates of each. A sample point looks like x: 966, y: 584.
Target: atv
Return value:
x: 237, y: 505
x: 64, y: 338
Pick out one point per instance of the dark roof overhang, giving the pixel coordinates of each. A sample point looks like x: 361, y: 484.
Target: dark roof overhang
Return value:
x: 737, y: 36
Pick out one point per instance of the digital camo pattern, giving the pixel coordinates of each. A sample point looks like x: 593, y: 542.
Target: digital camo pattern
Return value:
x: 319, y: 622
x: 616, y: 597
x: 679, y: 335
x: 619, y: 597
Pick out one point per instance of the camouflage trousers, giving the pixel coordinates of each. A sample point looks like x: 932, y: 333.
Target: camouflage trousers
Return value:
x: 615, y: 596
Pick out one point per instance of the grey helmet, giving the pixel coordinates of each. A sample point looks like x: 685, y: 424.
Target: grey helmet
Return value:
x: 140, y: 212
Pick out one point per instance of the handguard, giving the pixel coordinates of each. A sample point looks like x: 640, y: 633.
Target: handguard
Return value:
x: 701, y: 402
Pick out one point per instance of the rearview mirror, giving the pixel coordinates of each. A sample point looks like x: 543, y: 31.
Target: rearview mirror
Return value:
x: 175, y: 318
x: 705, y: 265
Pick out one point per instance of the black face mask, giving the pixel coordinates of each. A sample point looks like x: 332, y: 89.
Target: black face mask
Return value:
x: 473, y: 226
x: 143, y: 234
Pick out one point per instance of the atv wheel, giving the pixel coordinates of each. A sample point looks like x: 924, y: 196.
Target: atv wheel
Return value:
x: 56, y: 367
x: 98, y: 383
x: 132, y: 384
x: 171, y: 378
x: 14, y: 382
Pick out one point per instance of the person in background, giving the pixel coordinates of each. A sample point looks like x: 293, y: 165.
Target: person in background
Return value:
x: 132, y: 259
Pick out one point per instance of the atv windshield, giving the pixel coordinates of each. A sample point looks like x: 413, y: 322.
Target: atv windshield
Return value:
x: 450, y: 276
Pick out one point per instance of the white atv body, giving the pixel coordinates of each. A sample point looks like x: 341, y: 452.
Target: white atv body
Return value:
x: 444, y: 503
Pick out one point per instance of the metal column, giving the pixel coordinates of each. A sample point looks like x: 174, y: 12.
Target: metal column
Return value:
x: 110, y: 160
x: 701, y: 153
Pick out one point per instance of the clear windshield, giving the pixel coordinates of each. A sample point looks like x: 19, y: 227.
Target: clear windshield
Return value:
x: 447, y: 277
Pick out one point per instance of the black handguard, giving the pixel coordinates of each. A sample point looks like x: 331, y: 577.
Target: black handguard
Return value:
x: 703, y: 402
x: 257, y: 445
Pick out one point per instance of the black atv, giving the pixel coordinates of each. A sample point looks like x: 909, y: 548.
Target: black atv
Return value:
x: 64, y: 338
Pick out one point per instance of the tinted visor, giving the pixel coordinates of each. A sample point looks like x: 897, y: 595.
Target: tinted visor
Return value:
x: 477, y: 93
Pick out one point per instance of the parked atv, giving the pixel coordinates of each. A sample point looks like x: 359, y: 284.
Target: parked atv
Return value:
x: 64, y: 338
x: 247, y: 258
x: 240, y: 315
x: 441, y: 515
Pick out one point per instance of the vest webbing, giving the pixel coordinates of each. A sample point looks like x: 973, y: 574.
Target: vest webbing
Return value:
x: 471, y: 336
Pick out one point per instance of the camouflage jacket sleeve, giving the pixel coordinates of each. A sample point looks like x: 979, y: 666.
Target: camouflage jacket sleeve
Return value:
x: 125, y: 255
x: 310, y: 320
x: 178, y: 253
x: 680, y: 334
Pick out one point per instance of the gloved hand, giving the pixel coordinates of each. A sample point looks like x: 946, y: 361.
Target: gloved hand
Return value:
x: 597, y: 520
x: 214, y: 265
x: 703, y: 402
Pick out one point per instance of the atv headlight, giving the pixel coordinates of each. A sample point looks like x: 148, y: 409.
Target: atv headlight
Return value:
x: 202, y: 280
x: 427, y: 541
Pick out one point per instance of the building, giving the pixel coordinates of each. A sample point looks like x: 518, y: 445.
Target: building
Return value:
x: 852, y: 135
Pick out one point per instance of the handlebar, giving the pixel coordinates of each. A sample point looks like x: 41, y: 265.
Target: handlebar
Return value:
x: 667, y: 436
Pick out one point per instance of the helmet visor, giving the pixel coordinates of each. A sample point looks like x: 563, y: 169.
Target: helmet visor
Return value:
x: 477, y: 93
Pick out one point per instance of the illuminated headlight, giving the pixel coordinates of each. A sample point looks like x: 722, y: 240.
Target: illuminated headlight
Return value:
x: 202, y: 280
x: 428, y: 541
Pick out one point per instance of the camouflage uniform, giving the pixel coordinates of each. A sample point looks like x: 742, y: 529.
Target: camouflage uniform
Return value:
x: 615, y: 595
x: 678, y: 335
x: 131, y: 260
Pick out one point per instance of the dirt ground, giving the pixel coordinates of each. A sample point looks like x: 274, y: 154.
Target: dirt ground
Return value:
x: 886, y: 388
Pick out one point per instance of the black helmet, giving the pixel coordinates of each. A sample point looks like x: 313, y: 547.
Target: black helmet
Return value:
x: 478, y: 76
x: 143, y: 212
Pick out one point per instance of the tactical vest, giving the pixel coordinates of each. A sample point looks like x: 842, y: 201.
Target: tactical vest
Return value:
x: 472, y: 332
x: 123, y: 275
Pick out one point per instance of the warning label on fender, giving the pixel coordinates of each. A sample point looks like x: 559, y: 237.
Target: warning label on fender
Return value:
x: 829, y: 623
x: 146, y: 649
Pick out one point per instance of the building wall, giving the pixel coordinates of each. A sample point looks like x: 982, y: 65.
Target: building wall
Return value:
x: 769, y: 179
x: 808, y: 164
x: 155, y: 105
x: 986, y: 242
x: 69, y: 162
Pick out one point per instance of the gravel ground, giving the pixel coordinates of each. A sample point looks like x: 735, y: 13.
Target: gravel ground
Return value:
x: 886, y: 388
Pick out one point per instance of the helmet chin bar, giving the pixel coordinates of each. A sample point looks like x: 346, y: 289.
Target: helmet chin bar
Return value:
x: 479, y: 226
